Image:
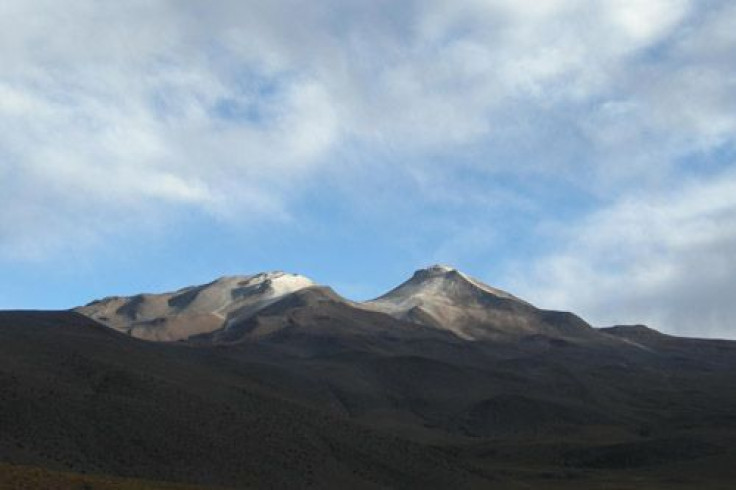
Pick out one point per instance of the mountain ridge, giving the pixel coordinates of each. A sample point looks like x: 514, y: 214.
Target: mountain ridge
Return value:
x: 193, y: 310
x: 438, y: 296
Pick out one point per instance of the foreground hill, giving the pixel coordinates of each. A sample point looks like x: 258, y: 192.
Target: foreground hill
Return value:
x: 442, y: 382
x: 80, y: 397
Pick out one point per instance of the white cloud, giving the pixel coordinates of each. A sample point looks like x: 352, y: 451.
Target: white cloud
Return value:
x: 116, y: 110
x: 667, y: 259
x: 643, y: 22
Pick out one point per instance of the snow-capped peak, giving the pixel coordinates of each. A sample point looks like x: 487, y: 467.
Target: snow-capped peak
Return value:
x: 445, y: 279
x: 437, y: 269
x: 438, y: 283
x: 196, y: 309
x: 442, y: 295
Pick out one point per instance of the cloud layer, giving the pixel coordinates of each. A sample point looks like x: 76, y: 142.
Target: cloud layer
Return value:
x: 665, y: 259
x: 117, y: 118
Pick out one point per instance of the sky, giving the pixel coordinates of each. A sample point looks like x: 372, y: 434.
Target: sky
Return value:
x: 578, y: 154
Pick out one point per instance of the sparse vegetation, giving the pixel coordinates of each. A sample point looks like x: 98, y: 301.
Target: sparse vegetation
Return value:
x: 84, y: 407
x: 34, y: 478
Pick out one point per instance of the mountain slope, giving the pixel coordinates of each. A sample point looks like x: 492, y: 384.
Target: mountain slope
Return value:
x: 317, y: 321
x: 446, y: 298
x: 193, y: 310
x: 438, y: 297
x: 79, y: 397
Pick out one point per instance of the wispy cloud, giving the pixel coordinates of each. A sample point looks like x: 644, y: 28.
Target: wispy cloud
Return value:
x: 665, y: 259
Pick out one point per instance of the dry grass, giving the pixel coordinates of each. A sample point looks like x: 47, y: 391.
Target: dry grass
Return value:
x: 16, y: 477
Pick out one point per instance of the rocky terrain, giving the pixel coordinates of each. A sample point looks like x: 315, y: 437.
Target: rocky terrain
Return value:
x: 272, y: 381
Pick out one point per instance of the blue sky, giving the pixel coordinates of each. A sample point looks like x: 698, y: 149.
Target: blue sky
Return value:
x: 578, y: 154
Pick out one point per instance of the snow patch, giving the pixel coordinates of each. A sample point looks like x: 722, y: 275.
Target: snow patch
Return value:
x: 213, y: 305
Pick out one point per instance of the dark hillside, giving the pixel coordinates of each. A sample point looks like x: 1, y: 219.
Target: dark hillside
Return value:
x: 79, y: 397
x: 312, y: 393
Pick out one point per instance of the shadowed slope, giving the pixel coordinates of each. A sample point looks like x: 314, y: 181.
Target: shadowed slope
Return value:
x: 318, y: 322
x: 80, y: 397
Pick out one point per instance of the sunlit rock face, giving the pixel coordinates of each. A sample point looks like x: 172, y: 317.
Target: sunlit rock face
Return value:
x: 194, y: 310
x: 444, y: 297
x: 439, y: 297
